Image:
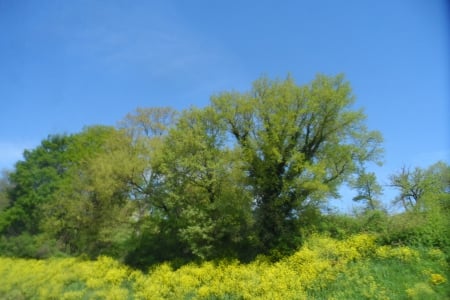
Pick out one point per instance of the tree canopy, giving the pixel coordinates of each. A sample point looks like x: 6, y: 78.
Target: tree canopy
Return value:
x: 247, y: 174
x: 298, y: 144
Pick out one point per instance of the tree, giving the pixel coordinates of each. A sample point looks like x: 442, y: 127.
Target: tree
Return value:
x: 368, y: 189
x: 155, y: 237
x: 90, y: 207
x: 147, y: 128
x: 204, y: 196
x: 196, y: 207
x: 5, y: 187
x: 440, y: 172
x: 298, y: 144
x: 413, y: 185
x: 424, y: 195
x: 423, y: 189
x: 34, y: 182
x: 69, y: 189
x: 149, y: 122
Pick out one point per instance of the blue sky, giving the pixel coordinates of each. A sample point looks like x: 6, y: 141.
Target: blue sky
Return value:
x: 68, y: 64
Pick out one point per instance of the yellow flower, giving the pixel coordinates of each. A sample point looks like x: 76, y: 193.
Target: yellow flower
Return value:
x: 437, y: 279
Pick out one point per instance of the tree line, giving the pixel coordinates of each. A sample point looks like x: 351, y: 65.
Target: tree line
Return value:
x: 248, y: 174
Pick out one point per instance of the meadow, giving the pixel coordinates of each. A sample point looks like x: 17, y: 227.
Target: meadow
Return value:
x: 323, y: 268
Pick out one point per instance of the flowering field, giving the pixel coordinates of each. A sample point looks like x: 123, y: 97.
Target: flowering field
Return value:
x: 324, y: 268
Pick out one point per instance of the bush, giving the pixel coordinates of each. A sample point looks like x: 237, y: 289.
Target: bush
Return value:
x: 341, y: 226
x: 29, y: 246
x: 417, y: 229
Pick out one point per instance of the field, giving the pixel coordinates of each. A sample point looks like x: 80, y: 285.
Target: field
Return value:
x: 324, y: 268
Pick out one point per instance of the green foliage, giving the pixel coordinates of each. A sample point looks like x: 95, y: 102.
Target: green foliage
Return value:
x: 424, y: 193
x: 418, y: 229
x: 158, y: 242
x: 34, y: 183
x: 298, y: 144
x: 342, y: 225
x: 368, y: 189
x: 65, y: 191
x: 204, y: 195
x: 422, y: 189
x: 386, y: 279
x: 247, y: 175
x: 149, y: 122
x: 5, y: 188
x: 90, y: 211
x: 29, y: 246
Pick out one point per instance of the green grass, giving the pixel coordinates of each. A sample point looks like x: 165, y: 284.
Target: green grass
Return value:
x: 388, y: 279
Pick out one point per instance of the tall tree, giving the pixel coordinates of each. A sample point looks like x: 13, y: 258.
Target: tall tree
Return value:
x: 147, y: 128
x: 34, y: 182
x: 205, y: 197
x: 69, y: 188
x: 88, y: 208
x: 298, y: 143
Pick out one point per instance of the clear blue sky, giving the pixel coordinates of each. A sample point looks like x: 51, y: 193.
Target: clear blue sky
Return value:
x: 68, y: 64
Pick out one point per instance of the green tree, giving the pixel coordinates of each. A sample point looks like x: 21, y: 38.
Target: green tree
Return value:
x: 205, y: 197
x: 71, y: 188
x: 440, y: 174
x: 5, y: 187
x: 155, y: 236
x: 34, y: 182
x: 414, y: 186
x: 425, y: 197
x: 149, y: 122
x: 147, y: 128
x: 368, y: 189
x: 298, y: 144
x: 90, y: 208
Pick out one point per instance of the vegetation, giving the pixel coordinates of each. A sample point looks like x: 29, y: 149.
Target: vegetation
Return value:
x: 225, y: 201
x: 324, y: 268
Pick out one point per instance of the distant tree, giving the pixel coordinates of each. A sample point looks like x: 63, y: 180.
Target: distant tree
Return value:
x: 440, y: 171
x: 368, y: 189
x: 298, y: 144
x: 424, y: 195
x: 414, y: 186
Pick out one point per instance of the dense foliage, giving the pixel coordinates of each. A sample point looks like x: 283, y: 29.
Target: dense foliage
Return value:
x: 247, y: 176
